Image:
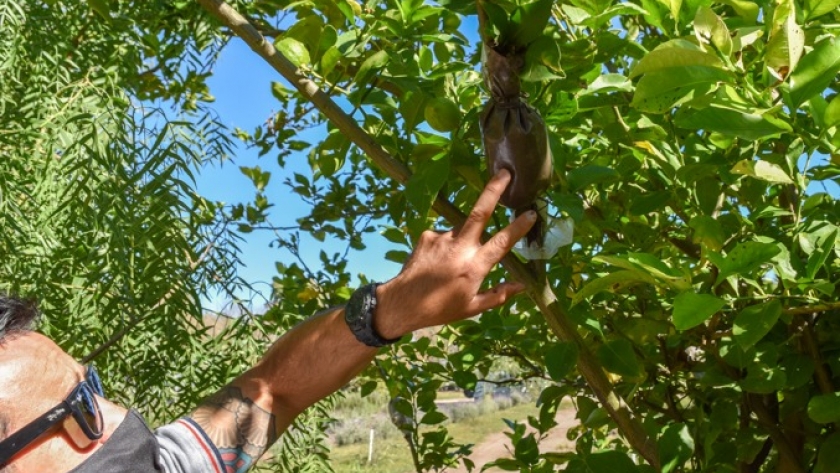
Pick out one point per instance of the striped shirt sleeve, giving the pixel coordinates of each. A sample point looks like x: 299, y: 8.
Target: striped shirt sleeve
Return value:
x: 185, y: 448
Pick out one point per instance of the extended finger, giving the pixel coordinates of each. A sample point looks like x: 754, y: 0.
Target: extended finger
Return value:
x: 484, y: 206
x: 496, y: 296
x: 501, y: 243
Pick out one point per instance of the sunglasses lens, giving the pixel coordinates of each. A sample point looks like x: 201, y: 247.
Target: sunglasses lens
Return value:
x: 85, y: 425
x: 90, y: 411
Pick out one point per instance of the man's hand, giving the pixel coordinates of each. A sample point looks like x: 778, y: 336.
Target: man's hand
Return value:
x: 441, y: 281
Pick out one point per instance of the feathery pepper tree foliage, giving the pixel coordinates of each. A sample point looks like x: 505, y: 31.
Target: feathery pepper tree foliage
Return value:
x: 105, y: 118
x: 696, y: 149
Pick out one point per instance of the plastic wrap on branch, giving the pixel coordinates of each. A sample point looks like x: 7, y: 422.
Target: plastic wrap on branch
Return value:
x: 558, y: 232
x: 515, y: 137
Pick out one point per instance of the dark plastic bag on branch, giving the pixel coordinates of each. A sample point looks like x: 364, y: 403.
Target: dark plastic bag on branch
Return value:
x: 515, y: 136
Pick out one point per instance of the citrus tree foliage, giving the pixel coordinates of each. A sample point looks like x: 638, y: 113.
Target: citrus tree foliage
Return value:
x: 696, y: 146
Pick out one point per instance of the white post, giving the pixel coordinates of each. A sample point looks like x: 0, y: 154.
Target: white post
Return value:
x: 370, y: 447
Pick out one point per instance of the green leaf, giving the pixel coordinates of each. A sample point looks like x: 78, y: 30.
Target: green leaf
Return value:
x: 544, y: 51
x: 500, y: 20
x: 585, y: 176
x: 755, y: 321
x: 618, y: 357
x: 746, y: 258
x: 762, y: 170
x: 707, y: 232
x: 619, y: 9
x: 610, y: 461
x: 763, y: 379
x: 832, y: 112
x: 560, y: 359
x: 293, y: 50
x: 608, y: 83
x: 814, y: 73
x: 259, y: 177
x: 825, y: 408
x: 674, y: 7
x: 101, y: 7
x: 308, y: 32
x: 647, y: 266
x: 823, y: 248
x: 692, y: 309
x: 710, y: 28
x: 815, y: 8
x: 676, y: 446
x: 433, y: 417
x: 368, y: 388
x: 530, y: 20
x: 329, y: 60
x: 787, y: 40
x: 798, y: 369
x: 426, y: 181
x: 372, y: 65
x: 612, y: 282
x: 731, y: 122
x: 526, y: 450
x: 829, y: 454
x: 746, y: 9
x: 674, y: 54
x: 660, y: 90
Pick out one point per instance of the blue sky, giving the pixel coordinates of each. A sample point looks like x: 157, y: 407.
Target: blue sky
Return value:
x: 241, y: 83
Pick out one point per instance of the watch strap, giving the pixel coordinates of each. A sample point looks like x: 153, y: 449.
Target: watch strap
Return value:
x: 359, y: 313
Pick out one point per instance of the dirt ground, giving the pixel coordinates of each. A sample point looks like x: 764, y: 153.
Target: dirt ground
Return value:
x: 498, y: 445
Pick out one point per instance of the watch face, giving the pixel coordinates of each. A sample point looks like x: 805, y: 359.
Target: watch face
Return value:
x: 359, y: 312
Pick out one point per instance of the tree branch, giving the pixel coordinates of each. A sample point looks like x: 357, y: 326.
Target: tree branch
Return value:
x: 539, y: 290
x: 787, y: 452
x: 812, y: 309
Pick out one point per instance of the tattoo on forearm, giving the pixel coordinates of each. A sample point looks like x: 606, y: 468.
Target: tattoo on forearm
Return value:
x: 241, y: 430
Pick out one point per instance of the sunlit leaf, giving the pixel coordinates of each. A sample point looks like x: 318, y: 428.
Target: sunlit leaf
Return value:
x: 732, y: 122
x: 745, y: 258
x: 814, y: 72
x: 692, y: 309
x: 293, y: 50
x: 675, y: 446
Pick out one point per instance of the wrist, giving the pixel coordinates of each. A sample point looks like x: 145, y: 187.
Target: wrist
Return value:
x: 388, y: 321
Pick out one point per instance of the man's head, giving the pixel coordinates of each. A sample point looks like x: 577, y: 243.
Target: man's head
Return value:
x: 36, y: 375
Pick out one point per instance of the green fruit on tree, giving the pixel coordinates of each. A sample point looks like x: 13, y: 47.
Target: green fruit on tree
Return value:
x: 442, y: 114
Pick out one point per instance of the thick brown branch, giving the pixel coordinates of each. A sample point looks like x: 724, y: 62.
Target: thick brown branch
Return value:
x: 539, y: 290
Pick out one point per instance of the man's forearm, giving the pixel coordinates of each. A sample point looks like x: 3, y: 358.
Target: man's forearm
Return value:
x: 306, y: 364
x: 311, y: 361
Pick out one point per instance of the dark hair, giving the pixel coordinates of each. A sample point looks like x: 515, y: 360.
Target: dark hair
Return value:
x: 16, y: 315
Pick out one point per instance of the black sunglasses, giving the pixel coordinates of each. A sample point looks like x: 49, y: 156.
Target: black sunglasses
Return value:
x: 80, y: 404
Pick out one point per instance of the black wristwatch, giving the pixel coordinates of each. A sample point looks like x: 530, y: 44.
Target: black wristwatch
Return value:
x: 359, y: 317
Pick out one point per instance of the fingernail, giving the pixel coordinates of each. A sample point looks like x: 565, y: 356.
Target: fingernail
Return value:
x: 531, y: 215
